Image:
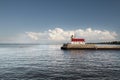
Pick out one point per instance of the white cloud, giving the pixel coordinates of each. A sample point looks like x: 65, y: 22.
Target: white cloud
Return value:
x: 33, y: 35
x: 60, y: 35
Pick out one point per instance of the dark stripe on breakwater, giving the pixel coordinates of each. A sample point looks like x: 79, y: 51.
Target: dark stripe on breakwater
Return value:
x: 90, y: 48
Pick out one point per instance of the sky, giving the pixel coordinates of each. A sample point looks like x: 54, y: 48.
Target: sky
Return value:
x: 48, y: 21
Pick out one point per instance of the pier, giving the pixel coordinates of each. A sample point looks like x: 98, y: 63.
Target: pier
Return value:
x: 69, y: 46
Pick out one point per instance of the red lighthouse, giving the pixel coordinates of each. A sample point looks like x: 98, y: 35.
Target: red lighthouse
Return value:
x: 77, y: 40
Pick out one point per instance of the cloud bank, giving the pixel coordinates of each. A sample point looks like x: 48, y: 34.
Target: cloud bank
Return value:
x: 60, y: 35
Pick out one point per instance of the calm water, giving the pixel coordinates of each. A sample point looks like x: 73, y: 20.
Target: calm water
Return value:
x: 48, y: 62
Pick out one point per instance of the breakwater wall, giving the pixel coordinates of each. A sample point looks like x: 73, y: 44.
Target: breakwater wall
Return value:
x: 89, y: 47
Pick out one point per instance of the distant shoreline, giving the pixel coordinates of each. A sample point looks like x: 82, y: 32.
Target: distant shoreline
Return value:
x: 112, y: 42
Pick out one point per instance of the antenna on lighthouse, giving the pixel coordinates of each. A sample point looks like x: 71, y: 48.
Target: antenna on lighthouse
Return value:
x: 72, y: 36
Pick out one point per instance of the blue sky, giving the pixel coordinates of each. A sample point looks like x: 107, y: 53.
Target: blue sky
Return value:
x: 20, y: 16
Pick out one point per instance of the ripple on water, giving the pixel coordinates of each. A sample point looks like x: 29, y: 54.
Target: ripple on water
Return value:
x: 48, y: 62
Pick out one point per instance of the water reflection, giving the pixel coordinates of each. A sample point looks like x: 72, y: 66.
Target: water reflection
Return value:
x: 49, y: 62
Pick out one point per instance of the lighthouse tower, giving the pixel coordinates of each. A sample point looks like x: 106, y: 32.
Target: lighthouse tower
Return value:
x: 77, y: 40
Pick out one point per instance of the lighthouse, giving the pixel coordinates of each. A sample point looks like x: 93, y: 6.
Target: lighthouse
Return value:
x: 77, y: 40
x: 79, y: 44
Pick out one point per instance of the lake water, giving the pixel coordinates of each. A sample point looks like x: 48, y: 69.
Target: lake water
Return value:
x: 49, y: 62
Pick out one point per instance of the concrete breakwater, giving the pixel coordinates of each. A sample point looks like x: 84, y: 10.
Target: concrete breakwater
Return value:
x: 89, y: 47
